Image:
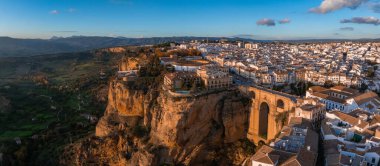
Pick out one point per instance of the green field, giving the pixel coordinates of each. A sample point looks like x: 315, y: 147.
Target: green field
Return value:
x: 48, y: 96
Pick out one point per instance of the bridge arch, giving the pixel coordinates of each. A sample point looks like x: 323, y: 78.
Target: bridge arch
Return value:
x: 263, y: 120
x: 266, y: 103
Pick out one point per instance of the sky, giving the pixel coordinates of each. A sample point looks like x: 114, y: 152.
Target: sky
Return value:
x: 256, y: 19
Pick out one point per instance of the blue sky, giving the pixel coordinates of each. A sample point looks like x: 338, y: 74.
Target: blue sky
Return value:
x: 222, y: 18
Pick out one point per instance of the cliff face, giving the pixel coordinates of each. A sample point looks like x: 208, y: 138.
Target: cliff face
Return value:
x: 153, y: 128
x: 124, y: 106
x: 191, y: 129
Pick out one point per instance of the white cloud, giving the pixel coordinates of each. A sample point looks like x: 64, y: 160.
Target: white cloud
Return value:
x: 362, y: 20
x: 347, y: 29
x: 284, y: 21
x: 328, y: 6
x: 54, y: 12
x: 266, y: 22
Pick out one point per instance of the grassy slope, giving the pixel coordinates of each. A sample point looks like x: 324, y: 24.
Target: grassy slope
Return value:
x: 51, y: 111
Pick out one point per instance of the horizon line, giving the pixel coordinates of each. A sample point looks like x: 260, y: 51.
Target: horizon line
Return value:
x: 227, y: 37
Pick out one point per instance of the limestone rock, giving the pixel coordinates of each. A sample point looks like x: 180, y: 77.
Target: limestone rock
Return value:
x: 190, y: 130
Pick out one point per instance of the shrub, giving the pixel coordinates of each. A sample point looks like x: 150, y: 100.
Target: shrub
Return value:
x: 248, y: 146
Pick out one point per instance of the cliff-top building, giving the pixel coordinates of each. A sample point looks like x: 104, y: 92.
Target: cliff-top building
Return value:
x: 181, y: 80
x: 214, y: 77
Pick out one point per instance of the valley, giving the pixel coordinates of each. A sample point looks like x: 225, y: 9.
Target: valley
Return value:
x: 49, y: 101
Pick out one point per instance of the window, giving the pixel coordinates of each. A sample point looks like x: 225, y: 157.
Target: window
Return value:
x: 280, y: 103
x: 373, y: 159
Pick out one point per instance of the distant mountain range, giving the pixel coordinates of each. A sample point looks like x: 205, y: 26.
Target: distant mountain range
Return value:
x: 10, y: 47
x: 30, y: 47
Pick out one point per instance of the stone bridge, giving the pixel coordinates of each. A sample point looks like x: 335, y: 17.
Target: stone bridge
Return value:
x: 269, y: 111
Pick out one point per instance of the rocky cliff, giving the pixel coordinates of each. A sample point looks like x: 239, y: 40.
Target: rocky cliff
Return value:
x: 191, y: 129
x: 151, y: 127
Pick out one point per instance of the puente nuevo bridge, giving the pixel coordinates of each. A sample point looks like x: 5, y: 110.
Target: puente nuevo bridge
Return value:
x: 270, y: 109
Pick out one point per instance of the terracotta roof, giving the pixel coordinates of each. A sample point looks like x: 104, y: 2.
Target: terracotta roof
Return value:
x: 328, y: 97
x: 269, y: 155
x: 344, y: 89
x: 292, y: 161
x: 262, y: 155
x: 352, y: 147
x: 345, y: 117
x: 344, y: 93
x: 310, y: 107
x: 375, y: 120
x: 338, y: 87
x: 348, y: 92
x: 321, y: 95
x: 317, y: 88
x: 357, y: 112
x: 306, y: 157
x: 284, y: 132
x: 365, y: 97
x: 299, y: 122
x: 303, y: 158
x: 362, y: 125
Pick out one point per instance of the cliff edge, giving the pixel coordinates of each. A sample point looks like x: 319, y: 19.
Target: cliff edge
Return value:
x: 151, y: 127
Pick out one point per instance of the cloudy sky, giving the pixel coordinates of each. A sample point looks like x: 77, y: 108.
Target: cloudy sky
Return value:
x: 258, y: 19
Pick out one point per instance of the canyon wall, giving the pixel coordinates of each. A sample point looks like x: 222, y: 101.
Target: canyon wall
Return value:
x: 152, y: 127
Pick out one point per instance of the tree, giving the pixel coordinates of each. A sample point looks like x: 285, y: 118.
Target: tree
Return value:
x: 371, y: 74
x: 363, y: 87
x: 328, y: 84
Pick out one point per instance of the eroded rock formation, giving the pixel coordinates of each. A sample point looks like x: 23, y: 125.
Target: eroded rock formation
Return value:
x: 194, y: 130
x: 151, y: 127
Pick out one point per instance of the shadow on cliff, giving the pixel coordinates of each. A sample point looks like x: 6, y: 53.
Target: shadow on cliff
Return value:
x: 211, y: 131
